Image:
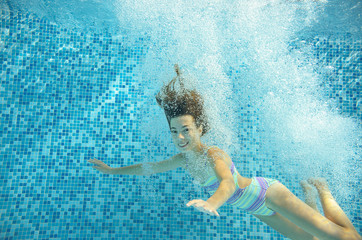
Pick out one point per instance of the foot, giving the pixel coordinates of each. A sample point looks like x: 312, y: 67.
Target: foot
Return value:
x: 306, y: 186
x: 320, y: 184
x: 310, y: 194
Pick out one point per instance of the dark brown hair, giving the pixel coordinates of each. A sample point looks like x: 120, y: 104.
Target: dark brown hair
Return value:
x: 178, y: 101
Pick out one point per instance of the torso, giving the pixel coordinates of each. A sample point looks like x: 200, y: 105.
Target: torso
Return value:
x: 201, y: 168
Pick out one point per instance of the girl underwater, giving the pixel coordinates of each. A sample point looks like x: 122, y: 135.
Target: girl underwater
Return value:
x: 267, y: 199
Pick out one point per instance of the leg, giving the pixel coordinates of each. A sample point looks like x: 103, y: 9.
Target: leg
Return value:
x: 281, y: 200
x: 331, y: 209
x: 310, y: 195
x: 286, y: 227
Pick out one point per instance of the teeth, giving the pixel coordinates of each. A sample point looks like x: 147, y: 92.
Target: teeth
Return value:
x: 183, y: 145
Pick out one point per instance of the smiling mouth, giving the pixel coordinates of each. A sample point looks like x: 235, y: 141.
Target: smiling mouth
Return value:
x: 183, y: 144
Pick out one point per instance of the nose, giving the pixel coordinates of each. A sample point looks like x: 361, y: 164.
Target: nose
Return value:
x: 181, y: 136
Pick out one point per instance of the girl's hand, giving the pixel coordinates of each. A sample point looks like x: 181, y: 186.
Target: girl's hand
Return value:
x: 203, y: 206
x: 101, y: 166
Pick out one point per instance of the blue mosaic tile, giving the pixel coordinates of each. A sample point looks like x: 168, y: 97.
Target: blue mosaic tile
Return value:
x: 67, y: 97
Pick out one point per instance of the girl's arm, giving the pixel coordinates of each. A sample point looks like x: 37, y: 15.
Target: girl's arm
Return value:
x: 227, y: 185
x: 143, y: 169
x: 226, y: 188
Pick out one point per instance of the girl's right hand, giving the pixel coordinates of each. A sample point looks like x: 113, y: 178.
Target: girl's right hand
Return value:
x: 101, y: 166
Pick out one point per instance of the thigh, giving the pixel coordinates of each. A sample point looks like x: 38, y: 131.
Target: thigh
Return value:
x: 286, y: 227
x: 282, y: 201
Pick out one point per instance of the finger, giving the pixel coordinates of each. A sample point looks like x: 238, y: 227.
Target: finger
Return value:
x: 215, y: 213
x: 97, y: 163
x: 212, y: 212
x: 201, y: 209
x: 199, y: 204
x: 192, y: 202
x: 92, y: 160
x: 206, y: 210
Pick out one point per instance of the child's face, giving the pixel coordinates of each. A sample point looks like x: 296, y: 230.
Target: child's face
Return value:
x: 185, y: 134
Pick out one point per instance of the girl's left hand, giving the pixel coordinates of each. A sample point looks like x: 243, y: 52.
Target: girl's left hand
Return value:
x: 203, y: 206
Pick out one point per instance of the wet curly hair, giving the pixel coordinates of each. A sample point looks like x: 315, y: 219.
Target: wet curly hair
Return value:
x: 178, y: 101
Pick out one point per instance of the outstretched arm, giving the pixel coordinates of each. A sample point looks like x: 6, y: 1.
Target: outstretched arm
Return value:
x: 225, y: 190
x: 142, y: 169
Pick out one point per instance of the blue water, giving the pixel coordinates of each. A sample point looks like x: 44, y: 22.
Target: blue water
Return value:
x: 283, y: 93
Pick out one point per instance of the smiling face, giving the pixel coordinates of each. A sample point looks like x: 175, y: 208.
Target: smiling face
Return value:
x: 185, y: 134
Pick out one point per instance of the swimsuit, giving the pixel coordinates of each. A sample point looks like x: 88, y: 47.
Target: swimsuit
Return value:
x: 250, y: 199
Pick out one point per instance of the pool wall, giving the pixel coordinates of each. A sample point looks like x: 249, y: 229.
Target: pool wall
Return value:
x: 70, y: 96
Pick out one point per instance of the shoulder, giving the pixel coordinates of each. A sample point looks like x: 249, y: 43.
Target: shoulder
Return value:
x: 214, y: 150
x: 219, y: 160
x: 215, y: 153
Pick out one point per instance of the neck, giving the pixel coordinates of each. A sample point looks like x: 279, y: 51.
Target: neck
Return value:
x: 198, y: 150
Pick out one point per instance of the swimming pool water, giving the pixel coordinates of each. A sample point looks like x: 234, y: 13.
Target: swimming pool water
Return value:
x: 69, y: 96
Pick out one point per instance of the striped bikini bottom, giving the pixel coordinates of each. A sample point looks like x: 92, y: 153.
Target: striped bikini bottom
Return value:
x: 252, y: 198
